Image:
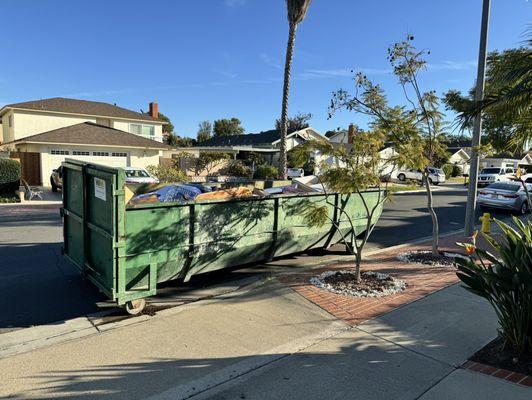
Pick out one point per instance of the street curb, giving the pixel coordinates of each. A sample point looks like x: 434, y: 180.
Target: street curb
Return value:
x: 23, y: 340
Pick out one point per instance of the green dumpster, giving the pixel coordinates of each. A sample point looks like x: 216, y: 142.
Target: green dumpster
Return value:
x: 125, y: 250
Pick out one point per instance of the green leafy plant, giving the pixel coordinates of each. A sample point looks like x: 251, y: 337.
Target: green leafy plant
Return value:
x: 447, y: 170
x: 10, y: 171
x: 505, y: 281
x: 267, y: 172
x: 236, y: 168
x: 209, y: 160
x: 167, y: 174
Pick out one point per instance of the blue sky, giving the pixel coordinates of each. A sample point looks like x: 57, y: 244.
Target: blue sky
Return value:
x: 210, y: 59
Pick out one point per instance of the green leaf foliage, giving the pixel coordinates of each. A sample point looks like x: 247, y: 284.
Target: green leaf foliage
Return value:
x: 505, y: 281
x: 9, y: 170
x: 167, y: 174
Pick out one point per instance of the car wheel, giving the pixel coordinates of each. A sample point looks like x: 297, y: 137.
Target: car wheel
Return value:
x: 401, y: 177
x: 435, y: 183
x: 430, y: 182
x: 524, y: 208
x: 54, y: 186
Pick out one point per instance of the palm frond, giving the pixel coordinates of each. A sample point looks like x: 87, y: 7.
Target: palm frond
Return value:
x: 297, y: 9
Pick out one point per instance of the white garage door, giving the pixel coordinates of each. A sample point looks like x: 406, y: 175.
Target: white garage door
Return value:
x: 111, y: 159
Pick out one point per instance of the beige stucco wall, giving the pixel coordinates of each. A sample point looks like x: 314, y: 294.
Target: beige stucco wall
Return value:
x: 7, y: 131
x: 28, y: 123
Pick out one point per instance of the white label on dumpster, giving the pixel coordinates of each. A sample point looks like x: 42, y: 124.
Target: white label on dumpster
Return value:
x: 99, y: 188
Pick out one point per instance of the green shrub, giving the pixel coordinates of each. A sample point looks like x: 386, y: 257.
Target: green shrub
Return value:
x: 236, y: 168
x: 457, y: 170
x: 447, y: 170
x: 167, y: 174
x: 506, y: 281
x: 9, y: 170
x: 9, y: 198
x: 267, y: 172
x: 9, y: 175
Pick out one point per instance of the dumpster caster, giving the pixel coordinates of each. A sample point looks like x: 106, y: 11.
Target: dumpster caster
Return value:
x: 135, y: 307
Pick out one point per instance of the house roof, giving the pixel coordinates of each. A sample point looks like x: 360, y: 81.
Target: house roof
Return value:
x: 93, y: 134
x: 85, y: 107
x: 250, y: 139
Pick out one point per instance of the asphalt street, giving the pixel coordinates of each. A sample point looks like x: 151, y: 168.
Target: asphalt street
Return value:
x: 39, y: 286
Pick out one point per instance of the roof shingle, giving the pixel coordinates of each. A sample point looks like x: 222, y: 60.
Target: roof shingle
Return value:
x: 90, y: 133
x: 85, y: 107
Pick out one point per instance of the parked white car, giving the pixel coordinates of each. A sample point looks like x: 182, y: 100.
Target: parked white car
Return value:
x: 436, y: 175
x: 139, y: 175
x: 494, y: 174
x: 295, y: 172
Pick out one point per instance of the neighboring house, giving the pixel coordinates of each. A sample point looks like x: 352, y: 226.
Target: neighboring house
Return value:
x: 31, y: 117
x: 506, y: 160
x: 266, y: 143
x: 387, y: 166
x: 42, y: 133
x: 458, y: 156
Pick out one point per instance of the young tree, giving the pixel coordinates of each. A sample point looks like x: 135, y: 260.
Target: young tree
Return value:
x: 359, y: 167
x: 228, y: 127
x: 177, y: 141
x: 417, y: 128
x: 168, y: 127
x: 295, y: 123
x: 204, y: 131
x: 208, y: 160
x: 296, y: 11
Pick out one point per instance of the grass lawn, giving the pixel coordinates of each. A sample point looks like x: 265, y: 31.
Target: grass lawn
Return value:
x: 397, y: 187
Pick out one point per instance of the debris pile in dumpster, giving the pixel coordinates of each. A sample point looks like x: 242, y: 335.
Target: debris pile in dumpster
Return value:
x: 185, y: 192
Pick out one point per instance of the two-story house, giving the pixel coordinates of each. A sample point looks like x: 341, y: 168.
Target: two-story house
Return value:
x: 42, y: 133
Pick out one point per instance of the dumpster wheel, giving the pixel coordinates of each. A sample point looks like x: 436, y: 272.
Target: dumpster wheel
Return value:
x: 135, y: 307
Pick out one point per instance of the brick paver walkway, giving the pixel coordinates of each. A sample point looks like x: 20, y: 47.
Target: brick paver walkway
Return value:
x: 421, y: 280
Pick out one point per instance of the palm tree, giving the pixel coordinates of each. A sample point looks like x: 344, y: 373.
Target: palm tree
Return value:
x: 511, y: 94
x: 297, y: 9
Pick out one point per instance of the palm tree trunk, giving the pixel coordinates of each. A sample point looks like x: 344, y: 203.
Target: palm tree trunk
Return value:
x: 286, y: 90
x: 430, y: 207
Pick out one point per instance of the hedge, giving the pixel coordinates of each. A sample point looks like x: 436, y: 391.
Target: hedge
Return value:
x: 9, y: 175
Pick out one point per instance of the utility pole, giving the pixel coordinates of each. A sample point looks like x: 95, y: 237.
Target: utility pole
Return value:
x: 477, y: 127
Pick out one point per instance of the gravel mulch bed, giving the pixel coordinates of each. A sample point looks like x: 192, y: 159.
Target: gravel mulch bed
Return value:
x: 425, y: 257
x: 496, y: 355
x: 371, y: 284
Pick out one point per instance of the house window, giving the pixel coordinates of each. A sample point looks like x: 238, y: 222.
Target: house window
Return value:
x: 81, y: 153
x: 100, y: 153
x: 119, y: 154
x: 144, y: 130
x: 60, y: 152
x: 10, y: 121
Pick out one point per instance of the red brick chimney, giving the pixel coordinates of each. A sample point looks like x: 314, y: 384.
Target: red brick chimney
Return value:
x: 154, y: 109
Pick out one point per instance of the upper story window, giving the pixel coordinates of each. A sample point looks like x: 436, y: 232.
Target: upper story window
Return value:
x: 144, y: 130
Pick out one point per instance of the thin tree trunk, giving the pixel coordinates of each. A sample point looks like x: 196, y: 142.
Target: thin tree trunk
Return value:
x: 430, y: 207
x: 286, y: 91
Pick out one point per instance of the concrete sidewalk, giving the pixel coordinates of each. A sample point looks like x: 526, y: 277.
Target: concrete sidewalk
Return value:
x: 269, y: 342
